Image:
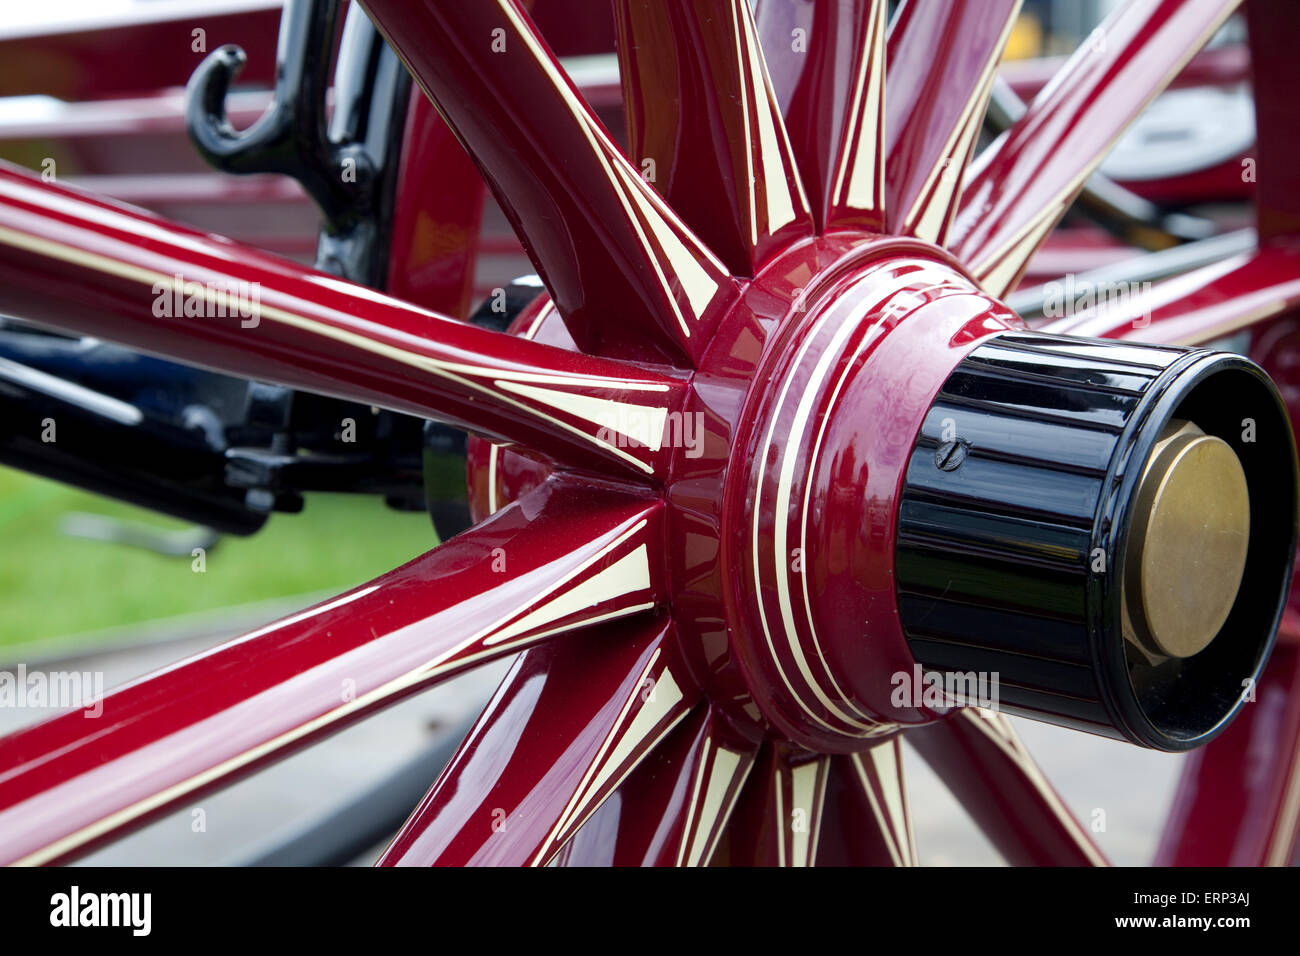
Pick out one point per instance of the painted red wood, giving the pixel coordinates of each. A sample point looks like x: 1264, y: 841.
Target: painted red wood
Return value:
x: 735, y: 679
x: 1197, y: 307
x: 865, y: 816
x: 673, y: 808
x: 1238, y: 799
x: 828, y: 71
x: 75, y: 780
x: 942, y: 61
x: 629, y: 277
x: 152, y: 46
x: 778, y: 819
x: 704, y: 123
x: 1274, y: 26
x: 1022, y: 184
x: 980, y: 758
x: 437, y: 219
x: 99, y: 269
x: 568, y: 723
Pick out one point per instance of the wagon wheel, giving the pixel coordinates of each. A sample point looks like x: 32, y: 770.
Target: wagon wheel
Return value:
x: 724, y: 510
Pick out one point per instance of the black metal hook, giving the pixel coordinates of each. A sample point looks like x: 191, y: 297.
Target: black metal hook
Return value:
x: 344, y: 168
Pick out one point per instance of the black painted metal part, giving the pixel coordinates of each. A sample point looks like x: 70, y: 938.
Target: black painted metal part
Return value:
x: 348, y: 163
x: 1011, y: 563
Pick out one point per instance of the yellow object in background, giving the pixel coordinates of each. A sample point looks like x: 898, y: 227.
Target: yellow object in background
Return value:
x: 1026, y: 38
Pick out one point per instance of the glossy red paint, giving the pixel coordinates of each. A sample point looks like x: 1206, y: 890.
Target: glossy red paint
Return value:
x: 1199, y: 306
x: 825, y: 77
x: 1217, y: 66
x: 603, y: 241
x: 982, y: 761
x: 1238, y: 800
x: 76, y: 780
x: 942, y: 62
x: 1276, y: 347
x: 575, y: 27
x: 496, y: 473
x: 568, y: 723
x: 729, y: 174
x: 98, y: 269
x: 1222, y: 183
x: 1022, y: 184
x: 1274, y: 26
x: 655, y: 817
x: 725, y: 666
x: 778, y: 818
x: 436, y: 222
x: 104, y: 55
x: 866, y: 805
x: 869, y: 312
x: 809, y: 502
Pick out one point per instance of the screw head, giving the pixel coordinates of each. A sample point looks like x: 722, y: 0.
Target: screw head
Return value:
x: 950, y: 454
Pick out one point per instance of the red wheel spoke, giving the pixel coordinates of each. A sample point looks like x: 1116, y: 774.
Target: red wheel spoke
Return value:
x: 107, y: 271
x: 980, y: 758
x: 866, y: 820
x: 779, y: 817
x: 1238, y: 800
x: 1200, y: 306
x: 942, y: 61
x: 1274, y: 26
x: 567, y: 725
x: 702, y: 116
x: 762, y: 323
x: 1023, y: 183
x: 563, y: 557
x: 830, y: 78
x: 673, y: 808
x: 625, y: 272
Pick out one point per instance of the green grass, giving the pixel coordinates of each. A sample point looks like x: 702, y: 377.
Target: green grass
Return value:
x: 53, y: 585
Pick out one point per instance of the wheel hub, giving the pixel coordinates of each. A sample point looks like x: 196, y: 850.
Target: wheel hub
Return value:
x: 881, y: 481
x: 809, y: 522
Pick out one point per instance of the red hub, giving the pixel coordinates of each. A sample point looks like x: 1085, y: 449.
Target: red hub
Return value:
x: 845, y: 462
x: 806, y: 406
x: 792, y: 452
x: 831, y: 413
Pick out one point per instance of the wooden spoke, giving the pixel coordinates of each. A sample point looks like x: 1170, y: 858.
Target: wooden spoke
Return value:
x: 123, y: 275
x: 778, y: 820
x: 982, y: 761
x: 1198, y: 307
x: 672, y: 810
x: 1275, y: 72
x: 625, y: 272
x: 1022, y: 184
x: 865, y: 820
x: 943, y: 58
x: 560, y: 559
x: 703, y: 119
x: 567, y: 725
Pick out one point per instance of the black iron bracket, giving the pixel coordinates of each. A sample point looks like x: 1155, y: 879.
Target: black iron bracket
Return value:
x: 346, y: 160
